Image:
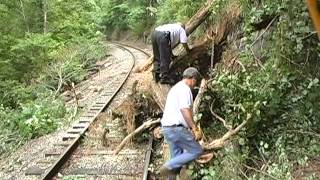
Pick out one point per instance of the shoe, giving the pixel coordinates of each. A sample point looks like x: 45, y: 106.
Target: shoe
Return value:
x: 165, y: 172
x: 167, y: 81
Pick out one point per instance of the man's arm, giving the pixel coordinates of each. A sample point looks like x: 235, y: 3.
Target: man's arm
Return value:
x: 188, y: 116
x: 184, y: 40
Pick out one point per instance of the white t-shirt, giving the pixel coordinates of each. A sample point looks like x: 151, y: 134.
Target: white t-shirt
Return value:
x: 179, y: 97
x: 177, y: 33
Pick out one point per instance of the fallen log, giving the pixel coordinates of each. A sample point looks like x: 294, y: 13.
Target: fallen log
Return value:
x: 140, y: 129
x: 216, y: 36
x: 199, y: 17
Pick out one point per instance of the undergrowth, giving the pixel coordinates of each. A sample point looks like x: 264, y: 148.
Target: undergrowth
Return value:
x: 278, y: 94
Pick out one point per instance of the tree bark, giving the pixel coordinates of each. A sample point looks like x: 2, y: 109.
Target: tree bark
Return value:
x: 24, y: 16
x: 199, y: 17
x: 45, y: 12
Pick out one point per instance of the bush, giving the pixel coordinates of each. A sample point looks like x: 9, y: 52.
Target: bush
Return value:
x: 13, y: 93
x: 31, y: 119
x: 72, y: 63
x: 279, y: 97
x: 41, y: 117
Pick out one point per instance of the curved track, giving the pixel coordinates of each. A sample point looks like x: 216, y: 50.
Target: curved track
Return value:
x: 71, y: 139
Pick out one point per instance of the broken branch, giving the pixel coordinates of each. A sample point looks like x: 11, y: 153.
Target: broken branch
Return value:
x: 219, y: 143
x: 141, y: 128
x: 219, y: 118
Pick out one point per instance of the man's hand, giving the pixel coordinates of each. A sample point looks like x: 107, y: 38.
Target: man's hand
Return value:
x: 197, y: 133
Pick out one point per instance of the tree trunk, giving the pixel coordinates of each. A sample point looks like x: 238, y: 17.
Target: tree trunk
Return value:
x: 199, y: 17
x: 45, y: 12
x: 216, y: 37
x: 24, y: 16
x: 199, y: 58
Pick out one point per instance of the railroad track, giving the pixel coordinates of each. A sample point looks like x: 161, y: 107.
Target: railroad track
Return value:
x: 70, y: 141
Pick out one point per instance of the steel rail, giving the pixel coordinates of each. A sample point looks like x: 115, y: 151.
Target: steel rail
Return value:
x: 63, y: 158
x: 133, y: 47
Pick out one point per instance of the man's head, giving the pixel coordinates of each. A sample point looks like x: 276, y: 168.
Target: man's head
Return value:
x: 191, y: 75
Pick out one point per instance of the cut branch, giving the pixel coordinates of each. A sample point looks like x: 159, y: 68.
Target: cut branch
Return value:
x: 141, y: 128
x: 269, y: 25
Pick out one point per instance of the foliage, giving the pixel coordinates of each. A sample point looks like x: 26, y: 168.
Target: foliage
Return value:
x: 294, y: 37
x: 34, y: 119
x: 134, y: 15
x: 39, y: 118
x: 36, y: 37
x: 72, y: 63
x: 30, y: 54
x: 177, y: 10
x: 279, y: 96
x: 280, y: 104
x: 13, y: 93
x: 138, y: 16
x: 9, y: 139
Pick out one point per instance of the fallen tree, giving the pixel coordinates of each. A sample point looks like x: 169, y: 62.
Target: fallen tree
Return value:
x: 215, y: 37
x: 208, y: 146
x: 191, y: 26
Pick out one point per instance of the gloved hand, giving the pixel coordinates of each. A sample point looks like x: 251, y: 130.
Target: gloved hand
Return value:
x: 197, y: 133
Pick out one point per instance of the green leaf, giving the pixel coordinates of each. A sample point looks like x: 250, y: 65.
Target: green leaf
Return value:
x: 242, y: 141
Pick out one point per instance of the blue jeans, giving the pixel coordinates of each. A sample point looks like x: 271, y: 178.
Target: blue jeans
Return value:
x: 183, y: 147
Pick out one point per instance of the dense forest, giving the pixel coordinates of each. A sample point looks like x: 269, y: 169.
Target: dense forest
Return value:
x: 268, y: 74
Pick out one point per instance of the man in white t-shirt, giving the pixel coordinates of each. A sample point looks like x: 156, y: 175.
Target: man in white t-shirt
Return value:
x: 164, y: 38
x: 178, y: 127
